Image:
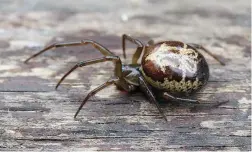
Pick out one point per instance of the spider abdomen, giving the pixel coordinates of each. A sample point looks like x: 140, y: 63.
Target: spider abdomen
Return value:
x: 175, y: 67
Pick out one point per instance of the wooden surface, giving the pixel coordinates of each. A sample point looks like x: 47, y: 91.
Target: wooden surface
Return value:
x: 33, y: 116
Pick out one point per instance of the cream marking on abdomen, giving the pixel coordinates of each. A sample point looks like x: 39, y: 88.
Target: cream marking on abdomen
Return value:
x: 172, y: 85
x: 185, y: 60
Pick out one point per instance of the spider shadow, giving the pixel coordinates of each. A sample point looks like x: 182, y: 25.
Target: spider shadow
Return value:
x: 175, y: 106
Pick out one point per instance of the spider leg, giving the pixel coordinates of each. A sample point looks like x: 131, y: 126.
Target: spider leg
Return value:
x: 93, y: 92
x: 145, y: 88
x: 99, y: 47
x: 96, y: 45
x: 85, y: 63
x: 197, y: 46
x: 139, y: 50
x: 171, y: 97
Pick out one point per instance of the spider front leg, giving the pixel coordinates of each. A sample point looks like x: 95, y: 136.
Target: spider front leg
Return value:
x: 118, y: 69
x: 118, y: 80
x: 138, y: 51
x: 96, y: 45
x: 197, y: 46
x: 108, y: 56
x: 145, y: 88
x: 93, y: 92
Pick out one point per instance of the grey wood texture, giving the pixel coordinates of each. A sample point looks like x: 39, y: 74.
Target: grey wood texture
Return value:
x: 35, y: 117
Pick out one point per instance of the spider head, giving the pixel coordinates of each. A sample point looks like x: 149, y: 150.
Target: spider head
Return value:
x: 131, y: 76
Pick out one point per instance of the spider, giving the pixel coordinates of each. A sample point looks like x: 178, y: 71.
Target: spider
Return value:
x: 169, y: 70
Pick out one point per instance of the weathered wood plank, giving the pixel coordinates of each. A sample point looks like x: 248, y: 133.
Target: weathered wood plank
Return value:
x: 35, y: 117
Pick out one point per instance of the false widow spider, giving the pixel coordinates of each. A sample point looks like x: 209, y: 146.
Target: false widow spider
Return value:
x: 170, y: 70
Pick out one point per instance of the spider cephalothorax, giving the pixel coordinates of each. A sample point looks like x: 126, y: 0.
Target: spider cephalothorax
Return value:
x: 171, y: 69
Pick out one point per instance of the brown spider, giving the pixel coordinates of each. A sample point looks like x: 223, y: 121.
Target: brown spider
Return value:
x: 169, y: 70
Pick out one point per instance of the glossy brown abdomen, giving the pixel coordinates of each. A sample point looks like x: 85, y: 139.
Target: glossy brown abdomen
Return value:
x: 175, y: 67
